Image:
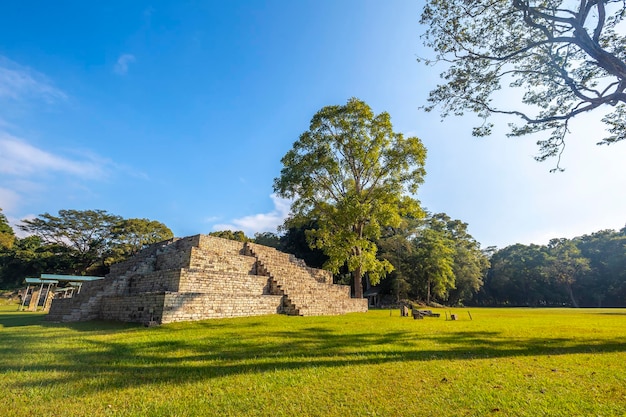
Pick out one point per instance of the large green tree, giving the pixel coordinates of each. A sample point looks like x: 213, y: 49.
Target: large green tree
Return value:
x: 396, y: 246
x: 518, y: 277
x: 129, y: 236
x: 565, y: 58
x: 605, y: 283
x: 352, y: 174
x: 238, y: 235
x: 88, y: 233
x: 92, y: 239
x: 7, y: 236
x: 469, y: 262
x: 433, y: 264
x: 565, y: 264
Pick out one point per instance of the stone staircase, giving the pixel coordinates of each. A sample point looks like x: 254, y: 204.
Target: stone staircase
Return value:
x: 306, y: 291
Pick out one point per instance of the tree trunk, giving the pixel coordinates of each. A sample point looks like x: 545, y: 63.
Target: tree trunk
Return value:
x: 571, y: 295
x: 428, y: 292
x: 358, y: 284
x: 358, y: 272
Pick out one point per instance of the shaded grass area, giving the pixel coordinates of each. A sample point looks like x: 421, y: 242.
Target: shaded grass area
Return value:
x: 522, y: 362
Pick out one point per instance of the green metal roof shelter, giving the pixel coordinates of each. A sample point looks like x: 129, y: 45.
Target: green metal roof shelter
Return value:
x: 74, y: 281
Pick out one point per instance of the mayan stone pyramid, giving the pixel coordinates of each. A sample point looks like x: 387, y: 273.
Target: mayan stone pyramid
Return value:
x: 202, y: 277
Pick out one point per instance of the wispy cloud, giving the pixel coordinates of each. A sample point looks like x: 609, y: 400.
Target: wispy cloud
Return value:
x: 263, y: 222
x: 19, y: 83
x: 8, y: 199
x: 18, y: 158
x: 121, y: 66
x: 28, y: 172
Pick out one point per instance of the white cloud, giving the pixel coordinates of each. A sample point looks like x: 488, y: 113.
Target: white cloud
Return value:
x: 19, y: 83
x: 8, y: 199
x: 121, y: 66
x: 263, y: 222
x: 14, y: 222
x: 18, y: 158
x: 28, y: 172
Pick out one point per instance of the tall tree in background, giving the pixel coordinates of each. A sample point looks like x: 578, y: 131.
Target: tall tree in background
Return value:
x: 7, y: 236
x: 267, y: 239
x: 566, y: 265
x: 129, y: 236
x: 352, y: 174
x: 433, y: 264
x: 517, y: 277
x: 86, y: 241
x: 238, y: 235
x: 565, y: 57
x: 396, y: 246
x: 605, y: 283
x: 469, y: 263
x: 88, y: 233
x: 294, y: 241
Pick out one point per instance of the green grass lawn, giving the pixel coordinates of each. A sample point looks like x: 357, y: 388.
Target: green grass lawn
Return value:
x: 504, y: 362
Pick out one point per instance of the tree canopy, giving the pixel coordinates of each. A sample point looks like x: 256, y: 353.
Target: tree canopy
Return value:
x: 238, y: 235
x: 83, y: 241
x: 129, y: 236
x: 565, y: 57
x: 87, y: 232
x: 587, y: 271
x: 352, y: 174
x: 7, y: 236
x: 435, y: 259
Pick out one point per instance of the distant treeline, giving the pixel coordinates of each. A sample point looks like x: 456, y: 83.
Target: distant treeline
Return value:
x: 586, y: 271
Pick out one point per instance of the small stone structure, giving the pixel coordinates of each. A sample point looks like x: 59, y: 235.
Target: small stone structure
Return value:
x: 202, y: 277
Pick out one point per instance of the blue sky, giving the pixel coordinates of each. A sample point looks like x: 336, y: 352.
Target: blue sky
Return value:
x: 180, y: 111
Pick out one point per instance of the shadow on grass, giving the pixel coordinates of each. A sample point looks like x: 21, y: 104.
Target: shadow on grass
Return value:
x: 21, y: 319
x: 129, y: 356
x: 612, y: 313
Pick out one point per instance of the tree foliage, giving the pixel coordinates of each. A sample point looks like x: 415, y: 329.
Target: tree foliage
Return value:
x: 88, y: 233
x: 469, y: 262
x: 434, y: 263
x: 267, y: 239
x: 7, y: 236
x: 352, y: 174
x: 587, y: 271
x: 237, y: 235
x: 565, y: 57
x: 434, y: 259
x: 76, y: 242
x: 565, y: 264
x: 129, y: 236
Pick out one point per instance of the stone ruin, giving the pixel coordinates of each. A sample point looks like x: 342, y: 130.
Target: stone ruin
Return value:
x: 203, y: 277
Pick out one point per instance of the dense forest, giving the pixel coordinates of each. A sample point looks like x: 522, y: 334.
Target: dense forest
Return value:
x: 435, y: 259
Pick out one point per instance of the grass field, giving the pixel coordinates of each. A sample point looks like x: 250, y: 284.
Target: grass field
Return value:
x: 504, y: 362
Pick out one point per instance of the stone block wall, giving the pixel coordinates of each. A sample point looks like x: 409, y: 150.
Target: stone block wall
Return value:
x: 219, y: 245
x: 219, y: 262
x: 224, y: 283
x: 140, y: 308
x: 196, y: 306
x: 156, y: 281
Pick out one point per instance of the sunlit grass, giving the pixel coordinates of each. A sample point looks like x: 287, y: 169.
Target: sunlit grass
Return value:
x: 515, y: 362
